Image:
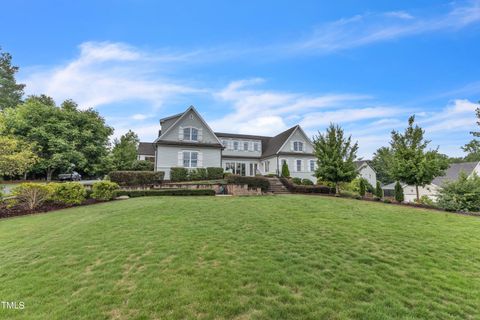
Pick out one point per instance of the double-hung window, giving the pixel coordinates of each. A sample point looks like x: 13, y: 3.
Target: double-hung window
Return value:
x: 312, y: 165
x: 256, y: 146
x: 190, y: 134
x: 245, y: 146
x: 190, y: 159
x: 235, y: 145
x: 297, y: 146
x: 298, y: 165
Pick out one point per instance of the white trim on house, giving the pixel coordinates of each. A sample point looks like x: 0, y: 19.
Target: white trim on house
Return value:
x: 191, y: 108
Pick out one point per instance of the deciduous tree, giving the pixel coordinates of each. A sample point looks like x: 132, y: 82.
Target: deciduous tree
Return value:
x: 411, y: 162
x: 335, y: 156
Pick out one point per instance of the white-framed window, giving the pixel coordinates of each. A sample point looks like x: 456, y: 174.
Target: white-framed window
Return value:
x: 190, y: 159
x: 298, y: 165
x: 297, y: 146
x: 235, y: 145
x: 245, y: 145
x: 256, y: 146
x: 312, y: 165
x: 190, y: 134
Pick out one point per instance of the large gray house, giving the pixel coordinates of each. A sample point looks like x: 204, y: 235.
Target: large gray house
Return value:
x: 186, y: 140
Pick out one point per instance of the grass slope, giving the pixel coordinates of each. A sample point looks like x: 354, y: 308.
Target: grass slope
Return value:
x: 292, y: 257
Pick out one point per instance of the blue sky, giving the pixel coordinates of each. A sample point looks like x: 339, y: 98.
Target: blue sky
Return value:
x: 258, y: 67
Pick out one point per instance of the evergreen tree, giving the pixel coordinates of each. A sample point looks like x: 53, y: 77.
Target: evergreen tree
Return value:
x: 411, y: 163
x: 10, y: 91
x: 362, y: 187
x: 379, y: 190
x: 382, y: 163
x: 285, y: 170
x: 399, y: 196
x: 335, y: 156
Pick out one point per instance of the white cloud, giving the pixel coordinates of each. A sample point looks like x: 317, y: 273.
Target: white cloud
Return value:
x: 458, y: 115
x: 106, y: 73
x: 369, y: 28
x: 139, y: 116
x: 268, y: 112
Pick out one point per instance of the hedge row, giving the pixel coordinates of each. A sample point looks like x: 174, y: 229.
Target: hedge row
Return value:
x: 137, y: 178
x: 165, y: 192
x: 252, y: 182
x: 184, y: 174
x: 294, y: 188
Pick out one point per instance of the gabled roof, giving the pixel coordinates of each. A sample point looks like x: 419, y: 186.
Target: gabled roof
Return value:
x: 146, y: 148
x: 452, y: 173
x: 360, y: 163
x: 179, y: 118
x: 275, y: 143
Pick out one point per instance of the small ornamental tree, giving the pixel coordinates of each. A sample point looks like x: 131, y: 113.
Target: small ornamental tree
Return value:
x: 335, y: 155
x: 362, y: 188
x: 411, y: 162
x: 399, y: 196
x: 285, y: 171
x: 378, y: 190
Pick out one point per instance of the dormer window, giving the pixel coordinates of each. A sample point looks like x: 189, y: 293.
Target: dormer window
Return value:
x: 235, y: 145
x: 298, y: 146
x: 190, y: 134
x: 245, y: 146
x: 256, y: 146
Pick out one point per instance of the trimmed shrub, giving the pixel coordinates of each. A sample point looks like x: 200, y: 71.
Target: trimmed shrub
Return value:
x: 137, y: 178
x: 306, y: 189
x: 426, y: 201
x: 214, y: 173
x: 379, y: 190
x: 349, y: 194
x: 387, y: 201
x: 143, y: 165
x: 197, y: 174
x: 178, y: 174
x: 362, y: 188
x: 461, y: 195
x: 285, y: 170
x: 68, y: 192
x: 398, y: 192
x: 307, y: 182
x: 297, y: 181
x: 31, y: 195
x: 252, y: 182
x: 165, y: 192
x: 104, y: 190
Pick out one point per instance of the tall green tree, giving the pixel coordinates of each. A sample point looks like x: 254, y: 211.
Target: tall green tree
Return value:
x: 11, y: 92
x: 473, y: 147
x: 65, y: 137
x: 335, y: 155
x: 124, y: 151
x: 412, y: 163
x: 16, y: 156
x: 382, y: 163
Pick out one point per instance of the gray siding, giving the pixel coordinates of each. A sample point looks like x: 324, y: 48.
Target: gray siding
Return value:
x: 207, y: 135
x: 167, y: 157
x: 168, y: 123
x: 228, y: 151
x: 367, y: 173
x: 298, y: 136
x: 305, y: 172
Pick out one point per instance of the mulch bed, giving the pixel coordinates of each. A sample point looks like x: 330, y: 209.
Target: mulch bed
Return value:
x: 46, y: 207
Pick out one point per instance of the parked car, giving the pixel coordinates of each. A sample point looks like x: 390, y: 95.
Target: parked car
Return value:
x: 74, y: 176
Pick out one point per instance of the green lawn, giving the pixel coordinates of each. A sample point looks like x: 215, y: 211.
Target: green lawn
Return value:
x: 290, y: 257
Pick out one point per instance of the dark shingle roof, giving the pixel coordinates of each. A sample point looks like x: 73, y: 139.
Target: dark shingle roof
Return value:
x: 360, y: 163
x: 454, y: 170
x: 275, y: 143
x: 146, y: 148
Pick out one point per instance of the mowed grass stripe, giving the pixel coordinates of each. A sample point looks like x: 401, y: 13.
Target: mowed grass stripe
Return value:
x: 290, y: 257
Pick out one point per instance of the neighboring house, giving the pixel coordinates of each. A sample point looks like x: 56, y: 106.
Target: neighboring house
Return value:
x: 186, y: 140
x: 146, y: 151
x: 366, y: 171
x: 431, y: 190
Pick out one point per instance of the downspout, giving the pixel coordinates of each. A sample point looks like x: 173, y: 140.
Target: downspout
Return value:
x: 156, y: 148
x: 278, y: 171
